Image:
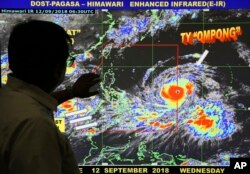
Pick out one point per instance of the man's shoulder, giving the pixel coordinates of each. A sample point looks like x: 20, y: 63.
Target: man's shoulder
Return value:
x: 16, y: 100
x: 16, y: 106
x: 7, y: 95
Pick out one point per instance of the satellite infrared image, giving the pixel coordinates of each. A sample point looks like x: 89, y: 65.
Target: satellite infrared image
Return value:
x: 175, y: 85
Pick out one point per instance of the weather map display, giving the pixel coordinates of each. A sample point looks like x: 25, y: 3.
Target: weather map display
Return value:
x: 175, y: 86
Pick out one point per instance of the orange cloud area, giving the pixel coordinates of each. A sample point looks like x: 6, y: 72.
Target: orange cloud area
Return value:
x: 148, y: 116
x: 204, y: 124
x: 68, y: 106
x: 92, y: 131
x: 160, y: 125
x: 174, y: 94
x: 157, y: 124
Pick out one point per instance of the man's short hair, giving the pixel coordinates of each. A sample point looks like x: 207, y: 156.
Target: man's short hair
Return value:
x: 35, y: 47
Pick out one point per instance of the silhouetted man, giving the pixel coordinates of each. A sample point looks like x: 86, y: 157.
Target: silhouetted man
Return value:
x: 30, y: 143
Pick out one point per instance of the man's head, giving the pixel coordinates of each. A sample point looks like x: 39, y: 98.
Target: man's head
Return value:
x: 37, y: 53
